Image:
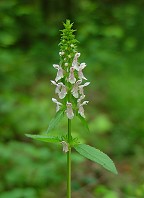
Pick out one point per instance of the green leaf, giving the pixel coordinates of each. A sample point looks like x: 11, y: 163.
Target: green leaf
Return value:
x: 96, y: 156
x: 44, y: 138
x: 55, y: 121
x: 84, y: 122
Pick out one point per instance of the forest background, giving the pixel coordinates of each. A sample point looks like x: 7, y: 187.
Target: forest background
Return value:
x: 111, y: 36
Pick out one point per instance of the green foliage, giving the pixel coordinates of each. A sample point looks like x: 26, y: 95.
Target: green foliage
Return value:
x: 96, y: 156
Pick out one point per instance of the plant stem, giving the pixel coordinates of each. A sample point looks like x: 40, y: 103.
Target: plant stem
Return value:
x: 69, y: 162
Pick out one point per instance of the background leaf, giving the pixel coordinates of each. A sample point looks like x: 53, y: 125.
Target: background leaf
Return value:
x: 84, y: 122
x: 96, y: 156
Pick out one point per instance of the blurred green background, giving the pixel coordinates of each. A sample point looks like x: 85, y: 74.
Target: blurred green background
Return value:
x: 111, y: 35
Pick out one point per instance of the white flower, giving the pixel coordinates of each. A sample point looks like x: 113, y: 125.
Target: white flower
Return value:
x: 59, y: 73
x: 72, y: 78
x: 80, y: 73
x: 62, y: 91
x: 58, y: 104
x: 81, y: 109
x: 66, y: 64
x: 69, y: 111
x: 65, y: 146
x: 82, y: 86
x: 80, y: 99
x: 75, y: 89
x: 75, y: 61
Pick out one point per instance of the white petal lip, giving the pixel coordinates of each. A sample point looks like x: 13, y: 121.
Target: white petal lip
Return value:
x: 82, y: 65
x: 53, y: 82
x: 85, y: 102
x: 58, y: 104
x: 55, y: 101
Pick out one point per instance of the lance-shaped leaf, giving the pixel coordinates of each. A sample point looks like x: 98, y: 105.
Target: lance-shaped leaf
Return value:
x: 96, y: 156
x: 55, y: 121
x: 45, y: 138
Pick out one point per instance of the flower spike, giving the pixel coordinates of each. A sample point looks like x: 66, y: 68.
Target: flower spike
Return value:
x: 69, y: 77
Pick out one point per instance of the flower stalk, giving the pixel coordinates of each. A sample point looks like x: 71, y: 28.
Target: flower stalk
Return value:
x: 69, y: 87
x: 69, y: 162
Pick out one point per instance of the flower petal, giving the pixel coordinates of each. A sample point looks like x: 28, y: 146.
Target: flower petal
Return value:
x: 75, y: 89
x: 58, y: 104
x: 75, y: 61
x: 63, y: 91
x: 65, y: 146
x: 72, y: 78
x: 69, y: 111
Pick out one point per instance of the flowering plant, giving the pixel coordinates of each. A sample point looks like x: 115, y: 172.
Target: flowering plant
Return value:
x: 69, y: 86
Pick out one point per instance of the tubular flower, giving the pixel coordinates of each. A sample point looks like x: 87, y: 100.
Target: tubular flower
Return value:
x: 60, y: 89
x: 75, y: 89
x: 63, y: 90
x: 80, y: 73
x: 81, y: 109
x: 81, y: 88
x: 69, y: 77
x: 59, y: 73
x: 75, y: 61
x: 72, y: 78
x: 69, y: 110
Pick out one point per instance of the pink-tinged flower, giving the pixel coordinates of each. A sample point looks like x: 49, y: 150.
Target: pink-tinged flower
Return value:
x: 65, y: 146
x: 59, y: 72
x: 58, y: 104
x: 63, y: 91
x: 75, y: 61
x: 81, y: 109
x: 69, y: 111
x: 82, y: 86
x: 75, y: 89
x: 80, y: 73
x: 60, y: 89
x: 72, y: 78
x: 80, y: 99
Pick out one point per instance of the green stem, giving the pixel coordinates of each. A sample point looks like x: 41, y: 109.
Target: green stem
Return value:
x: 69, y: 162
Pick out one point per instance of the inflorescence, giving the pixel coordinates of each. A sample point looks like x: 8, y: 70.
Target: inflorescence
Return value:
x: 69, y: 78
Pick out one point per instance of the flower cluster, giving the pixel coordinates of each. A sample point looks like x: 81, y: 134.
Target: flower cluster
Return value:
x: 69, y: 79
